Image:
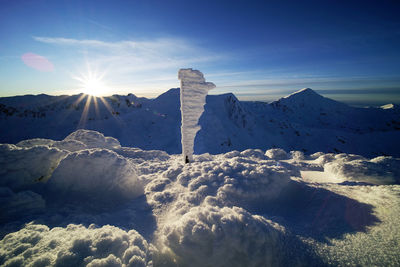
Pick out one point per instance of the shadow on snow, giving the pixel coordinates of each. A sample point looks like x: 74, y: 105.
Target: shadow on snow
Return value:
x: 318, y: 213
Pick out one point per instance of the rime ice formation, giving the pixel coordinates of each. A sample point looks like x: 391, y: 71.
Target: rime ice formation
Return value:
x: 194, y: 90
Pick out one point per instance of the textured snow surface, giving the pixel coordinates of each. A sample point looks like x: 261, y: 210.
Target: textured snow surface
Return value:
x: 100, y: 204
x: 194, y: 90
x: 211, y: 236
x: 74, y: 245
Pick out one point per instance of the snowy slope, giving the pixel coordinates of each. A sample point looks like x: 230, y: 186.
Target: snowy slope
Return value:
x: 303, y: 121
x: 88, y: 201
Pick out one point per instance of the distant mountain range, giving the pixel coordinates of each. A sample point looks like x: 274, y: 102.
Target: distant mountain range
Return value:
x: 304, y: 121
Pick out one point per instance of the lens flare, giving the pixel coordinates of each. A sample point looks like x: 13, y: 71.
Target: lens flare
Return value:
x: 37, y: 62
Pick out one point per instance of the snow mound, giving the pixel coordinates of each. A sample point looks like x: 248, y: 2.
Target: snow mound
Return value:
x: 69, y: 145
x: 75, y: 245
x: 253, y: 153
x: 239, y: 180
x: 223, y: 180
x: 381, y: 170
x: 247, y: 183
x: 297, y: 155
x: 93, y: 139
x: 96, y: 174
x: 211, y: 236
x: 21, y: 167
x: 137, y: 153
x: 276, y: 154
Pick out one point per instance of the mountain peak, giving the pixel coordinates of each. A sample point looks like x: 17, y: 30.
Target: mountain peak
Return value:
x: 308, y: 98
x: 306, y: 92
x: 390, y: 106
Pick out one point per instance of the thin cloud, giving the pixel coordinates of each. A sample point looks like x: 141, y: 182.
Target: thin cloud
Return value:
x: 157, y: 51
x: 136, y: 63
x: 310, y: 81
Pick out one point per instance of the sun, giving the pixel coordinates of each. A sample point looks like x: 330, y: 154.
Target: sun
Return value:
x: 94, y: 87
x: 92, y: 84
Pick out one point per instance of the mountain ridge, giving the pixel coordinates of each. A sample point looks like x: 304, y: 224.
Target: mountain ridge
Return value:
x: 303, y: 121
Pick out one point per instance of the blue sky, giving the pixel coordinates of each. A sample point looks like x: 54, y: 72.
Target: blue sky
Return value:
x: 259, y: 50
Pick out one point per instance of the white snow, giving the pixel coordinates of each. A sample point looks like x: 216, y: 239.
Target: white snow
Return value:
x: 304, y: 121
x: 388, y: 106
x: 194, y: 90
x: 241, y: 208
x: 23, y: 167
x: 66, y: 144
x: 380, y: 170
x: 99, y: 175
x: 212, y: 236
x: 276, y: 153
x: 93, y: 139
x: 74, y: 245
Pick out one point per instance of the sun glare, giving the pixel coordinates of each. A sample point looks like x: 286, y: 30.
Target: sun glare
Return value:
x: 94, y: 87
x: 92, y: 84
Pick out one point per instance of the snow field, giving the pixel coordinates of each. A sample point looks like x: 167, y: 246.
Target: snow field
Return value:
x: 146, y: 208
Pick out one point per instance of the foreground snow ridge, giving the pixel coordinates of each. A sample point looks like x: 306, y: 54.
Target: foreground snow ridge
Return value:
x: 88, y: 201
x: 194, y: 90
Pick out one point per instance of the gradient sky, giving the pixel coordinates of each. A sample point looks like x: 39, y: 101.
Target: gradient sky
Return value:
x: 259, y: 50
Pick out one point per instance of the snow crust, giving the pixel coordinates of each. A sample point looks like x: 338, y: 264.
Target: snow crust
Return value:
x: 106, y: 205
x: 194, y: 90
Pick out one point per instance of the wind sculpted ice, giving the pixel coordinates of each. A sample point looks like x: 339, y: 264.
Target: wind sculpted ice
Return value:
x: 194, y: 90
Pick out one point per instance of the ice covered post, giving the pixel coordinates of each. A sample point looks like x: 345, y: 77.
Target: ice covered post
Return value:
x: 194, y: 90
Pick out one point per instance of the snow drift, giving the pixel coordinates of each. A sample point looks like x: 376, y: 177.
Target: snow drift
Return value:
x: 22, y: 167
x: 95, y: 175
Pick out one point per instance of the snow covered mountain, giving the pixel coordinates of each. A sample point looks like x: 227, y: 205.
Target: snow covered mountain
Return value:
x: 304, y: 121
